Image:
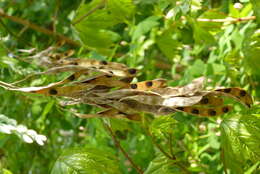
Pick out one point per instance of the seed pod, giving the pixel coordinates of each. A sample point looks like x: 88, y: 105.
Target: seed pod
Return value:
x: 207, y: 112
x: 149, y: 84
x: 237, y: 93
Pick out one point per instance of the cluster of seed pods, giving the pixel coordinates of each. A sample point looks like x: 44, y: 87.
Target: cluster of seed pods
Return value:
x: 108, y: 85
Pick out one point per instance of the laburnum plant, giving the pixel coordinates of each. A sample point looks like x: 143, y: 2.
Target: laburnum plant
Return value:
x: 129, y: 86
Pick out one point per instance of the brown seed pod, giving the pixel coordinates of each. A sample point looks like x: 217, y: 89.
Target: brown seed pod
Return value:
x: 205, y: 111
x: 237, y: 93
x: 112, y: 68
x: 105, y: 80
x: 188, y: 90
x: 212, y: 100
x: 149, y: 84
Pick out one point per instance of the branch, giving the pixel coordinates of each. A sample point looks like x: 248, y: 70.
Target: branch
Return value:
x: 100, y: 5
x: 13, y: 34
x: 117, y: 143
x: 160, y: 148
x: 38, y: 28
x: 167, y: 155
x: 170, y: 144
x: 6, y: 85
x: 227, y: 19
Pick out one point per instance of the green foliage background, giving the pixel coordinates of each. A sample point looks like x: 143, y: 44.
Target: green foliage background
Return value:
x: 162, y: 38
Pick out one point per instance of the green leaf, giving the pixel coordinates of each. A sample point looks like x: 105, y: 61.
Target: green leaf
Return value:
x: 85, y: 161
x: 84, y: 9
x: 168, y: 43
x: 98, y: 19
x: 240, y: 141
x: 145, y: 26
x: 197, y: 69
x: 201, y: 35
x: 212, y: 14
x: 5, y: 171
x: 3, y: 50
x: 256, y: 7
x: 253, y: 168
x: 251, y: 49
x: 162, y: 165
x: 121, y: 10
x: 162, y: 125
x: 97, y: 38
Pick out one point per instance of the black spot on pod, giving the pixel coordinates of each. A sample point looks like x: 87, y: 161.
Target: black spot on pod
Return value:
x: 212, y: 112
x: 121, y: 113
x: 225, y: 109
x: 180, y: 108
x: 133, y: 86
x: 227, y: 90
x: 195, y: 111
x: 72, y: 77
x: 149, y: 83
x: 132, y: 71
x: 75, y: 63
x: 53, y: 92
x: 103, y: 62
x: 242, y: 93
x: 127, y: 79
x: 57, y: 56
x: 167, y: 110
x: 108, y: 76
x: 89, y: 81
x: 205, y: 100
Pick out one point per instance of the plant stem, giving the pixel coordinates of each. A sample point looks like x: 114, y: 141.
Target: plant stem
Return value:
x: 228, y: 19
x: 167, y: 155
x: 100, y: 5
x: 38, y: 28
x: 170, y: 144
x: 117, y: 144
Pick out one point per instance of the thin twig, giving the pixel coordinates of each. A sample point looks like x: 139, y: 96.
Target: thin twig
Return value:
x: 13, y: 34
x: 57, y: 7
x: 167, y: 155
x: 22, y: 31
x: 38, y: 28
x: 170, y: 144
x: 6, y: 85
x: 100, y: 5
x: 117, y: 143
x: 227, y: 19
x: 161, y: 149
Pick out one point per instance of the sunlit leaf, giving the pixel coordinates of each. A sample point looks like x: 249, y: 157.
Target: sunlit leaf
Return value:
x: 162, y: 165
x: 240, y: 141
x: 85, y: 161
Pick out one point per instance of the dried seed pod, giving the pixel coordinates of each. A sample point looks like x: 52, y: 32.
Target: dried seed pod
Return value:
x: 149, y: 84
x: 58, y: 56
x: 105, y: 80
x: 64, y: 90
x: 237, y: 93
x: 153, y: 109
x: 188, y: 90
x: 205, y: 111
x: 212, y: 100
x: 168, y: 102
x: 122, y: 93
x: 112, y: 68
